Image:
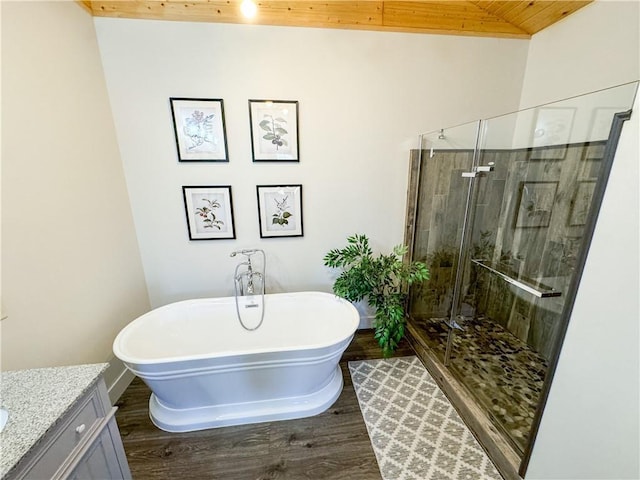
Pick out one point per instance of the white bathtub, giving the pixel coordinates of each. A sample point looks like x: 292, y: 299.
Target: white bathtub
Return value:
x: 206, y: 371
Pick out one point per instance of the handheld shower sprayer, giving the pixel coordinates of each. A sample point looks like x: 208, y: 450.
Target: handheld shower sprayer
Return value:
x: 246, y: 251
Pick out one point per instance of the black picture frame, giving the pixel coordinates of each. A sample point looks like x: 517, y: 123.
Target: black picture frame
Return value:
x: 209, y: 212
x: 199, y: 129
x: 274, y: 126
x: 280, y: 210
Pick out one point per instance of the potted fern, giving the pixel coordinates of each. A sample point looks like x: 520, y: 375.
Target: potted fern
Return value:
x: 380, y: 280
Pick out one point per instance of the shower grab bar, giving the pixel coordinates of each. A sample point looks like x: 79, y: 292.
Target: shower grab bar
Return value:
x: 544, y: 292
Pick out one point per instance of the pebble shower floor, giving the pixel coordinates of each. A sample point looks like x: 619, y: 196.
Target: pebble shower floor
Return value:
x: 415, y: 431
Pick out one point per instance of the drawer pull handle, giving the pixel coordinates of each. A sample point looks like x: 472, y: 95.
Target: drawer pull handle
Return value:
x: 80, y: 429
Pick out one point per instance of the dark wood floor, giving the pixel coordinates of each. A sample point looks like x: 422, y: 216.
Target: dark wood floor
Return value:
x: 333, y: 445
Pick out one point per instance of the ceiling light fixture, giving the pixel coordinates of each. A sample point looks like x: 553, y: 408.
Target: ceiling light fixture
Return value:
x: 248, y: 8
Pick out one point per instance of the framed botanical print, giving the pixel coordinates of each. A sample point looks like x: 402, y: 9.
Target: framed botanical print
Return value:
x: 198, y: 124
x: 274, y: 130
x: 280, y: 210
x: 209, y: 211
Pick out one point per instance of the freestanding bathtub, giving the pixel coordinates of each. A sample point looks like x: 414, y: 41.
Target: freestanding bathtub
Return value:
x: 206, y: 371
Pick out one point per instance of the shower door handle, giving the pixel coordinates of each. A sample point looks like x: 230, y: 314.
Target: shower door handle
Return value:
x: 476, y: 170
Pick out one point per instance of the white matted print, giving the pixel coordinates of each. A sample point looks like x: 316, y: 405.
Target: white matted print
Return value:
x: 199, y: 128
x: 280, y: 210
x: 209, y: 212
x: 274, y: 130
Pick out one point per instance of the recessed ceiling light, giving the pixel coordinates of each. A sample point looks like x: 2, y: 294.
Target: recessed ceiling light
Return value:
x: 248, y: 8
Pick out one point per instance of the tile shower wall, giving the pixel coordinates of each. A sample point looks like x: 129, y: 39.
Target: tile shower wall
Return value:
x: 439, y: 219
x: 510, y: 232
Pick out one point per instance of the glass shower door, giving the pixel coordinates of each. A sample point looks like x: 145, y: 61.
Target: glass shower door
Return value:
x: 504, y: 305
x: 444, y: 158
x: 534, y: 180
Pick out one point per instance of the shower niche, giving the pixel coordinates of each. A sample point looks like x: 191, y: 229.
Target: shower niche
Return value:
x: 502, y: 211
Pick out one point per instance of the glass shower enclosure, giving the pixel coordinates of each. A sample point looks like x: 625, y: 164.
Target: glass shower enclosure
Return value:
x: 502, y: 211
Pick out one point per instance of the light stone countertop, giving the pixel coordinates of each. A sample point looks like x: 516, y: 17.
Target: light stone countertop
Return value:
x: 36, y: 399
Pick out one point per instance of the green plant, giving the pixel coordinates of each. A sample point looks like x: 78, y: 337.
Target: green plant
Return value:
x: 206, y: 212
x: 275, y: 130
x: 282, y: 215
x: 381, y: 281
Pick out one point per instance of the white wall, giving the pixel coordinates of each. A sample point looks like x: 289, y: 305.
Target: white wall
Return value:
x: 364, y: 97
x: 592, y: 49
x: 590, y: 427
x: 71, y: 270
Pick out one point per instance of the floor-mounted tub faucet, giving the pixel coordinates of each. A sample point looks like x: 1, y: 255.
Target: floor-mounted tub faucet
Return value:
x: 250, y: 275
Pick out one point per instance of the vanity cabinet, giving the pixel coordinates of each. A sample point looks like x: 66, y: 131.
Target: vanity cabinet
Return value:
x: 83, y: 444
x: 102, y: 459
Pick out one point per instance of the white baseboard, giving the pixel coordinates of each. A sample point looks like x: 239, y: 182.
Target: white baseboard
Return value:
x: 117, y: 377
x: 366, y: 321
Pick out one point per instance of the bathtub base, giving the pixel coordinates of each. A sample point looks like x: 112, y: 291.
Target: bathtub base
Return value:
x: 214, y: 416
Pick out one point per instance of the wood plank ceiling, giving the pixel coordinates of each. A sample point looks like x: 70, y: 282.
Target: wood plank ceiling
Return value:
x: 510, y: 18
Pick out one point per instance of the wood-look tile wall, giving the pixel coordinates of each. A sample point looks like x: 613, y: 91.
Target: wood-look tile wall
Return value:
x: 528, y: 219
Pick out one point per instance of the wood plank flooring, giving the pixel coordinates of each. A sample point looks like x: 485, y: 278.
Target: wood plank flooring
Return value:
x: 333, y: 445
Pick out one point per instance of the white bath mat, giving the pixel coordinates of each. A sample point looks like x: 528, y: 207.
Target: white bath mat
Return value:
x: 415, y: 432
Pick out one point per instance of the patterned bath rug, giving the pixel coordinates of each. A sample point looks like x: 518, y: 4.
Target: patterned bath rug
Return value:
x: 415, y: 431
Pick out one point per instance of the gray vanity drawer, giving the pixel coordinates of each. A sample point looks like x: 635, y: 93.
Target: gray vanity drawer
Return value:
x: 69, y: 435
x: 103, y: 457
